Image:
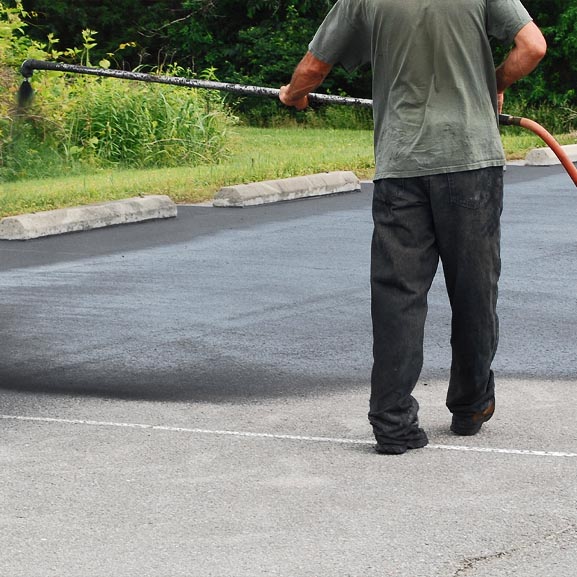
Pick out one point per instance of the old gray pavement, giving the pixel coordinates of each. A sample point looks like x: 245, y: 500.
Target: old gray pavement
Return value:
x: 188, y: 398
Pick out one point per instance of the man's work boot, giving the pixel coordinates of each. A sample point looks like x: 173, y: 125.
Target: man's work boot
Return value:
x: 469, y: 425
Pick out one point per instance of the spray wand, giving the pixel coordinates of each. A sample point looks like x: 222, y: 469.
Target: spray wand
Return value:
x: 26, y: 93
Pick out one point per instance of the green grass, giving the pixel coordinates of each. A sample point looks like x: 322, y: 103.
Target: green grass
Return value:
x: 256, y: 154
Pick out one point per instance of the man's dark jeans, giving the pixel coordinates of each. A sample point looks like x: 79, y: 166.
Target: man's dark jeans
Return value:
x: 454, y: 217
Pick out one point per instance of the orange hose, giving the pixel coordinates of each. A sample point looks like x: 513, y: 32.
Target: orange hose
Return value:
x: 553, y: 145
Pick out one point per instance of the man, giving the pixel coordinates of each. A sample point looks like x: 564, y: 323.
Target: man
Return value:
x: 438, y: 186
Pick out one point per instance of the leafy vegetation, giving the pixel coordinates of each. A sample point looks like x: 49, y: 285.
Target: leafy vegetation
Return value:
x: 77, y: 122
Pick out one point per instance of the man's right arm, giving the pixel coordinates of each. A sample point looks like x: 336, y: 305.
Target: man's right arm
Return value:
x: 308, y: 75
x: 530, y: 47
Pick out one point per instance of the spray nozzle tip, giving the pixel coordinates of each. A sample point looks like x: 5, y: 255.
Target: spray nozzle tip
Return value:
x: 25, y: 94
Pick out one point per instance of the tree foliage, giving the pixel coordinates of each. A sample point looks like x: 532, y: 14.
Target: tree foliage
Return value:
x: 554, y: 81
x: 136, y: 22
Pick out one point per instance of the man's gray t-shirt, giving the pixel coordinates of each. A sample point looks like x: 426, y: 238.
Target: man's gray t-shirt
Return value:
x: 434, y: 85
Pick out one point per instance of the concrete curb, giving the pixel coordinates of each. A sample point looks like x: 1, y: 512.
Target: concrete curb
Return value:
x: 51, y: 222
x: 138, y: 209
x: 546, y: 157
x: 286, y: 189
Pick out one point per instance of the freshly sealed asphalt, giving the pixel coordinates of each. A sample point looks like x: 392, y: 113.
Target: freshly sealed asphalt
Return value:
x: 188, y: 398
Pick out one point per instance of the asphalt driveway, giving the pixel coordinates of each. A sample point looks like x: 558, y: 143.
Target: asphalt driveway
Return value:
x: 188, y: 398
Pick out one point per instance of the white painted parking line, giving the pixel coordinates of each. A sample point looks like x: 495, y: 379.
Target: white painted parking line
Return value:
x: 280, y: 437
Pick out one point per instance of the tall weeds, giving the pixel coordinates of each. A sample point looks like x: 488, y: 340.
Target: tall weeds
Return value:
x: 77, y: 122
x: 114, y: 122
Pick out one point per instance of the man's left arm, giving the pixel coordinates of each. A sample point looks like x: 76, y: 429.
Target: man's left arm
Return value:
x: 530, y: 47
x: 308, y: 75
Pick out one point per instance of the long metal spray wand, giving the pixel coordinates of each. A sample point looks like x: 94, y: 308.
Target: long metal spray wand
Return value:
x: 29, y: 66
x: 25, y: 94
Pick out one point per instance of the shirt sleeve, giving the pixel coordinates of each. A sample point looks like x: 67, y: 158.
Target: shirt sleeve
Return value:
x: 505, y: 18
x: 343, y: 37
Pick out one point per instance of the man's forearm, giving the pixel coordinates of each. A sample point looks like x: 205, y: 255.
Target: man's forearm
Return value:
x: 529, y: 49
x: 308, y: 75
